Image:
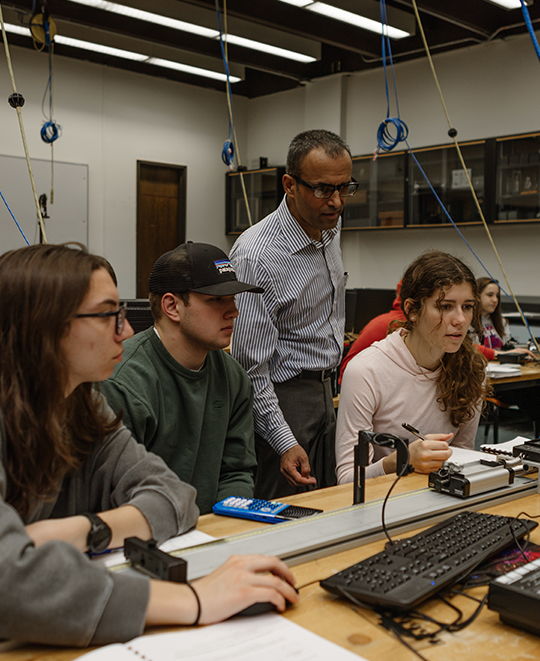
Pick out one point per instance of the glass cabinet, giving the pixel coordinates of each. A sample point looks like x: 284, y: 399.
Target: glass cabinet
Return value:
x: 518, y: 178
x: 445, y: 172
x: 264, y: 192
x: 380, y: 198
x: 393, y: 193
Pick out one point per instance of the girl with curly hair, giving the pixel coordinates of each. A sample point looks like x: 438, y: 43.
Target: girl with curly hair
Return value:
x: 426, y: 373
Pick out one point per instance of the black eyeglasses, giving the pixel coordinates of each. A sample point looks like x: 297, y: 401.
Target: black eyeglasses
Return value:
x: 120, y: 315
x: 325, y: 191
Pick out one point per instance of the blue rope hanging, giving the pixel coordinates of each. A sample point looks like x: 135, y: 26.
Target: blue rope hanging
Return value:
x: 227, y: 153
x: 530, y: 28
x: 386, y: 140
x: 51, y: 130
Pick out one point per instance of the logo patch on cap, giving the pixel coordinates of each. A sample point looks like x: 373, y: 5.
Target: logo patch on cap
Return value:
x: 224, y: 266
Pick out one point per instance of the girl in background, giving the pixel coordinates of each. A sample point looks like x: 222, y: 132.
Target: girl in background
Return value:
x: 495, y: 332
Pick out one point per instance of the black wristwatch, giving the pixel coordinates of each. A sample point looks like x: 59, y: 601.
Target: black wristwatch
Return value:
x: 99, y: 536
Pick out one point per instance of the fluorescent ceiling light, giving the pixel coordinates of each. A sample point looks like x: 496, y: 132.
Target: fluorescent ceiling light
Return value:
x: 355, y: 19
x: 99, y: 48
x: 169, y: 64
x: 85, y: 45
x: 149, y: 17
x: 507, y: 4
x: 17, y: 29
x: 352, y: 18
x: 267, y: 48
x: 175, y: 24
x: 127, y: 55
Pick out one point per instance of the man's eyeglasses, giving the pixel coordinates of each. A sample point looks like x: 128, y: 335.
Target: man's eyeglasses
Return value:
x: 325, y: 191
x: 120, y: 315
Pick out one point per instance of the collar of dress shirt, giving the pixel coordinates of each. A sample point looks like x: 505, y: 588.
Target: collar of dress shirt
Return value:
x: 295, y: 235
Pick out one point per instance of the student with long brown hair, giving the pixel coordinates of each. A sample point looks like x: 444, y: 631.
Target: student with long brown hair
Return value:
x: 426, y: 373
x: 72, y: 478
x: 494, y: 329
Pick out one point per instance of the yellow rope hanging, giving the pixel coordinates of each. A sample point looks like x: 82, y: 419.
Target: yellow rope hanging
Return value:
x: 453, y: 133
x: 16, y: 101
x: 242, y: 182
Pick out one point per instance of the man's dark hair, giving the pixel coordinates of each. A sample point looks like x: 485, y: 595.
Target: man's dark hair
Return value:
x: 303, y: 143
x: 180, y: 261
x: 155, y: 302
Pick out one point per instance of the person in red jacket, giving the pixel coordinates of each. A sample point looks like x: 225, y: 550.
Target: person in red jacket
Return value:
x: 377, y: 329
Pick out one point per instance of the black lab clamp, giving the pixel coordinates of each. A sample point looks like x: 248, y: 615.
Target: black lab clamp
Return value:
x: 361, y: 458
x: 157, y: 564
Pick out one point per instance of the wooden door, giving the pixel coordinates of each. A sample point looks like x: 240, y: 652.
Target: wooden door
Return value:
x: 161, y: 215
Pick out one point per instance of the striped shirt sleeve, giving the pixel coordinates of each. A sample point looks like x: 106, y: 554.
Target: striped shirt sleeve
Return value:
x: 253, y: 345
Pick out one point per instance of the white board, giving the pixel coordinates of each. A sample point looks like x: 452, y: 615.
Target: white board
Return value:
x: 68, y: 219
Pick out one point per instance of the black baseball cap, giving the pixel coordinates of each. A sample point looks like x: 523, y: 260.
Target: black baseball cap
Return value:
x: 197, y: 267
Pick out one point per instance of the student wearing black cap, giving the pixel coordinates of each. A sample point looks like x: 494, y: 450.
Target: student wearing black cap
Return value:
x: 183, y: 397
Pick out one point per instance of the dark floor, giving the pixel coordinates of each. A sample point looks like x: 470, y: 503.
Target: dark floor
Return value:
x: 513, y: 424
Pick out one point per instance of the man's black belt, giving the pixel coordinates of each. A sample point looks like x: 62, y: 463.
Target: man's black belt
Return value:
x: 319, y: 375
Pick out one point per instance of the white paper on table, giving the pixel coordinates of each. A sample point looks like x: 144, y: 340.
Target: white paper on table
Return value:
x: 495, y: 371
x: 464, y: 456
x: 268, y: 637
x: 193, y: 538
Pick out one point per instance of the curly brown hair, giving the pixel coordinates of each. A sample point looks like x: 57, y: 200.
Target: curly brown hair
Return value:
x: 461, y: 384
x: 46, y: 434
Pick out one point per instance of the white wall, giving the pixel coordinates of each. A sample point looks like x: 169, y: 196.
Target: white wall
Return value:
x: 111, y: 119
x: 490, y: 90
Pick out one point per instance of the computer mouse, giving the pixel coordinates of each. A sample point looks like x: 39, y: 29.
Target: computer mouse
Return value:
x: 262, y: 607
x: 258, y: 609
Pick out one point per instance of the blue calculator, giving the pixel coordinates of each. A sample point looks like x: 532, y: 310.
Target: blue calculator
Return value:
x: 261, y: 510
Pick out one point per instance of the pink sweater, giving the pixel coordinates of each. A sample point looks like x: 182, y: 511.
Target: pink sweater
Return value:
x: 383, y: 387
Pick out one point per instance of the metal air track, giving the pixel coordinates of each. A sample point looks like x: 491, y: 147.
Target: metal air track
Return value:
x: 315, y: 537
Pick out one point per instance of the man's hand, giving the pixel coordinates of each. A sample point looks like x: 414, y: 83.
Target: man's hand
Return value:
x: 295, y: 467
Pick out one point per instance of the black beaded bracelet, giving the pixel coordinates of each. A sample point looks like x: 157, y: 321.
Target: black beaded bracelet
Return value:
x: 198, y: 604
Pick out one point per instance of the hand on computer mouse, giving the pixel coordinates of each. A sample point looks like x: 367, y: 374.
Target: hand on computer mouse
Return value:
x: 261, y: 607
x: 242, y: 582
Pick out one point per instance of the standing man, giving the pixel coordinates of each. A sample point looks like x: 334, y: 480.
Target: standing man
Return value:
x: 290, y: 339
x: 181, y: 396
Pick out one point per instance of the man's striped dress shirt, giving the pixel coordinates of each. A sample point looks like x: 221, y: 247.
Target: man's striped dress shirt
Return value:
x: 298, y: 323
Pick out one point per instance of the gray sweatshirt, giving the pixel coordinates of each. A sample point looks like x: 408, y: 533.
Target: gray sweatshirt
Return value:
x: 54, y: 594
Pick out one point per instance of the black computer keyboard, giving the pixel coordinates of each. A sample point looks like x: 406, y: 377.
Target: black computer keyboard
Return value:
x: 413, y: 569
